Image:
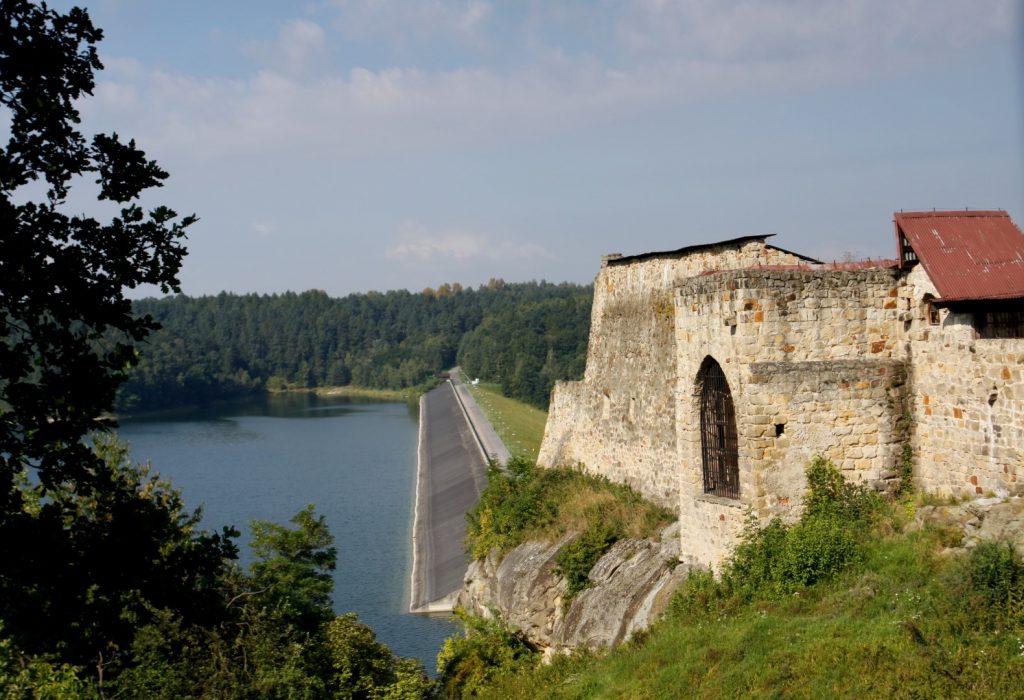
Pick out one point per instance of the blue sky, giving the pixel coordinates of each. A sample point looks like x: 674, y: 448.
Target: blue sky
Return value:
x: 351, y: 145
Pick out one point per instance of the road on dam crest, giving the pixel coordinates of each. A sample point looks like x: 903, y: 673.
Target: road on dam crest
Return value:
x: 451, y: 473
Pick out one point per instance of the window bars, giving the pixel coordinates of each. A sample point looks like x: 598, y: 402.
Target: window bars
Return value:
x: 718, y: 439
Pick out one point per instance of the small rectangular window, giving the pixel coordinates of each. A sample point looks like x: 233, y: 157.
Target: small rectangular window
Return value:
x: 933, y: 315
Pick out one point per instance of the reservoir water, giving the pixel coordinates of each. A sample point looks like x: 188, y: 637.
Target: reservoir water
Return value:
x: 268, y: 457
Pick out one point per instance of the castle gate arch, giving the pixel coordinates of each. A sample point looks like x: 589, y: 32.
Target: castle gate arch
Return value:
x: 719, y: 441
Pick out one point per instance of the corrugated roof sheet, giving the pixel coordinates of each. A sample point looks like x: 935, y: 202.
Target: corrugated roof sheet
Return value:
x: 969, y: 255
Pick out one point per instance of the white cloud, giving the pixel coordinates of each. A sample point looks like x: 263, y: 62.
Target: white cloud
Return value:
x: 299, y: 49
x: 783, y: 29
x: 264, y: 228
x: 675, y: 52
x: 416, y: 243
x: 301, y: 44
x: 400, y: 21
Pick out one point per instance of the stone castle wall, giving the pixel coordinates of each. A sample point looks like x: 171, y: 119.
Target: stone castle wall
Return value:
x: 814, y: 367
x: 840, y: 363
x: 620, y: 420
x: 967, y: 404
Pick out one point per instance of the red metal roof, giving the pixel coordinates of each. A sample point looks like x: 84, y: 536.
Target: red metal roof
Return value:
x: 968, y: 255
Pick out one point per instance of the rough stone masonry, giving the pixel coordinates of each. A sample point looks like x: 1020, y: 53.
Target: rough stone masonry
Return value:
x: 848, y: 361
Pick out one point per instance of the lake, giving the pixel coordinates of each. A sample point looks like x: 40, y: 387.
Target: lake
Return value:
x: 268, y: 457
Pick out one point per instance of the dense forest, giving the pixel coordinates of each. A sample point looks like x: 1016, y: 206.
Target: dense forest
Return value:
x: 523, y: 336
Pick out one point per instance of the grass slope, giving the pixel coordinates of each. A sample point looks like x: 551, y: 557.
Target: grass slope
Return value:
x: 900, y: 617
x: 520, y: 426
x: 900, y: 627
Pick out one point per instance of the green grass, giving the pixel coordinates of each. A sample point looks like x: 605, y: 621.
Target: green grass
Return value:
x: 905, y: 622
x: 841, y: 604
x: 520, y: 426
x: 367, y: 393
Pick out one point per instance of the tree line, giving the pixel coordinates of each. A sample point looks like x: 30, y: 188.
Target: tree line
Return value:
x: 523, y: 336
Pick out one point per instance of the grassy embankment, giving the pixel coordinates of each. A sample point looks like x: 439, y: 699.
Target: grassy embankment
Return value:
x: 365, y: 393
x: 845, y: 603
x: 520, y: 426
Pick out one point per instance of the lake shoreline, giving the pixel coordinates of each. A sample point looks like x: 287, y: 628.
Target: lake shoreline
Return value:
x: 347, y: 391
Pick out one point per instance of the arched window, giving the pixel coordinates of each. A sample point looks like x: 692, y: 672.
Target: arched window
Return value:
x: 718, y: 441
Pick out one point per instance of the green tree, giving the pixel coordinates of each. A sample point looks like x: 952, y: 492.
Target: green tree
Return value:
x: 295, y: 565
x: 99, y: 557
x: 67, y: 338
x: 68, y: 333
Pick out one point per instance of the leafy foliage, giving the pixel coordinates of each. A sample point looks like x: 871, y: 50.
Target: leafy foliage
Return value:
x: 526, y: 347
x: 365, y: 668
x: 489, y: 648
x: 35, y: 677
x: 275, y: 636
x: 512, y: 502
x: 95, y: 558
x: 900, y: 618
x: 906, y: 471
x: 830, y: 495
x: 294, y: 566
x: 107, y: 586
x: 67, y: 332
x: 778, y: 559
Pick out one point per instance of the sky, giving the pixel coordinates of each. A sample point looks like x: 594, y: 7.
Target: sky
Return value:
x: 356, y: 145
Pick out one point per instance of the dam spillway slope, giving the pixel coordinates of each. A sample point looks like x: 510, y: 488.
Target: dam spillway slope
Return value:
x: 451, y: 473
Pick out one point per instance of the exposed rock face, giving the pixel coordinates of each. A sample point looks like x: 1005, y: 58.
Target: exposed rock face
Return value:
x: 630, y: 587
x: 981, y: 519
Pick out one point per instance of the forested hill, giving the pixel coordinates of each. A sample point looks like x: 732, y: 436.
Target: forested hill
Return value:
x: 523, y: 336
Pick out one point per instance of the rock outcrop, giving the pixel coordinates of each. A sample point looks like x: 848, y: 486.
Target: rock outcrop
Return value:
x: 630, y: 587
x: 1000, y: 519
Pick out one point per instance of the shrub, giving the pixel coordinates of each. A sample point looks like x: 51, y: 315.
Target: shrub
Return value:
x: 779, y: 558
x: 815, y: 549
x: 828, y: 493
x: 526, y: 502
x: 489, y: 648
x: 512, y: 502
x: 997, y: 575
x: 754, y: 564
x: 364, y: 668
x: 700, y: 594
x: 576, y: 559
x: 23, y: 676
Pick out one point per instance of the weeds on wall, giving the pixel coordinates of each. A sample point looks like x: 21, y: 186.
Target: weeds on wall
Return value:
x: 905, y: 471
